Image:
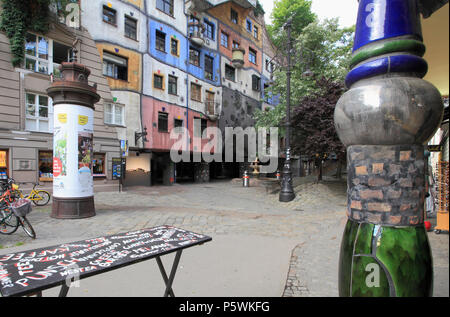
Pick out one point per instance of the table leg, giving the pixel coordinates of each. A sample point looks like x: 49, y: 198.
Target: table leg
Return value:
x: 64, y: 290
x: 169, y: 281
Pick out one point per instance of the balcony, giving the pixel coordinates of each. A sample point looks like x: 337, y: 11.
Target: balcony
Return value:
x: 212, y: 110
x: 238, y: 57
x: 196, y: 33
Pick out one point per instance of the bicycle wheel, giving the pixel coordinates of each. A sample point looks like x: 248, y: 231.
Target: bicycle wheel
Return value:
x: 26, y: 225
x: 41, y: 198
x: 8, y: 222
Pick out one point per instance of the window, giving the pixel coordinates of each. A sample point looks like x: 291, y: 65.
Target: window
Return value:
x: 114, y: 114
x: 236, y: 44
x: 173, y: 85
x: 115, y: 66
x: 234, y: 17
x: 209, y: 67
x: 256, y: 83
x: 109, y: 15
x: 98, y: 164
x: 209, y: 30
x: 44, y: 55
x: 224, y: 39
x: 210, y: 104
x: 158, y: 81
x: 177, y: 123
x: 160, y: 41
x: 249, y: 26
x: 203, y: 125
x: 165, y: 6
x: 230, y: 73
x: 174, y: 46
x: 252, y: 56
x: 45, y: 165
x: 163, y: 119
x: 194, y: 56
x: 194, y: 26
x: 198, y: 133
x: 196, y: 92
x: 255, y: 32
x: 37, y: 113
x: 130, y: 28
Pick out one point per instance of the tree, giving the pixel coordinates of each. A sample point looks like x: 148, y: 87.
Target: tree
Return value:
x: 322, y: 49
x: 312, y: 122
x: 299, y: 10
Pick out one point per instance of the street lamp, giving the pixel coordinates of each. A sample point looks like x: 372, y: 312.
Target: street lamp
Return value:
x: 287, y: 193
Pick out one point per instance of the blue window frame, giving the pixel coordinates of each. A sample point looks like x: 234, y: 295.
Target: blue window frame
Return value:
x: 209, y: 29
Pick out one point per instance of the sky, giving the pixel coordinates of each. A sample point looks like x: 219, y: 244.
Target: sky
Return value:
x: 345, y: 10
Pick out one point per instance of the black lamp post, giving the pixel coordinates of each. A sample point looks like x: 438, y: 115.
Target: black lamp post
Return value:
x: 287, y: 193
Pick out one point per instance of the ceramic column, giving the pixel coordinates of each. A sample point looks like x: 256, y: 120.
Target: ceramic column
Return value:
x: 73, y: 102
x: 384, y: 119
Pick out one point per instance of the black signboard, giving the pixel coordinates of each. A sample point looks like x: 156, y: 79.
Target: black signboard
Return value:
x: 35, y: 270
x: 434, y: 148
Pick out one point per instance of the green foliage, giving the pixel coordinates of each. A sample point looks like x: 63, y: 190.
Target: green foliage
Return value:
x: 19, y: 16
x: 299, y: 10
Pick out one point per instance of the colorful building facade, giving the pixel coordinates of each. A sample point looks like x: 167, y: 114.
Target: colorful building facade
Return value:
x: 173, y: 63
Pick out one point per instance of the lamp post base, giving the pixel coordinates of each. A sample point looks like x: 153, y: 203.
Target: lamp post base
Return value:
x: 287, y: 193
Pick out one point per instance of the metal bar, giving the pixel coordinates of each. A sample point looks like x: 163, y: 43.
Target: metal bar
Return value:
x: 164, y: 274
x: 64, y: 290
x: 172, y: 273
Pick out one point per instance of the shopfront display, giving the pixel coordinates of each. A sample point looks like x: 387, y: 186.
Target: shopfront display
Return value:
x: 45, y: 166
x: 4, y: 164
x: 98, y: 165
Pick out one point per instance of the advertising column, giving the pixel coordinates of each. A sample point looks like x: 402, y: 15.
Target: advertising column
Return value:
x: 73, y: 100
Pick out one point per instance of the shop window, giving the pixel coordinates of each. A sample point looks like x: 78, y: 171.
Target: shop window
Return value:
x: 98, y: 165
x: 45, y: 166
x: 115, y: 66
x: 4, y: 173
x: 37, y: 109
x: 130, y: 28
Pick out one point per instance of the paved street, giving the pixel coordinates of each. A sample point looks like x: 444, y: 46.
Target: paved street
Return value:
x: 260, y: 247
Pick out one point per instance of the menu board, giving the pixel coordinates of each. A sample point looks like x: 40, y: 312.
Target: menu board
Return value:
x: 29, y: 271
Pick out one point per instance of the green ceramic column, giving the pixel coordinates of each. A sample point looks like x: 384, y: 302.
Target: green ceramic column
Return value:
x: 384, y: 119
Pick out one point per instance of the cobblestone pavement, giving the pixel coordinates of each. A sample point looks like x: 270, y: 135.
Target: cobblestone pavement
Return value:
x: 315, y: 220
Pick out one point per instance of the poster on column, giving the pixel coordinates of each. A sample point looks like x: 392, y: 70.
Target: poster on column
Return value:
x: 73, y: 148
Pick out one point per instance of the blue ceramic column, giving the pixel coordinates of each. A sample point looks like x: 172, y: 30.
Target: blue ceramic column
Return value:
x: 384, y: 119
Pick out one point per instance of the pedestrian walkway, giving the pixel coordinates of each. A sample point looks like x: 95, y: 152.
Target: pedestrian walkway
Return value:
x: 260, y: 247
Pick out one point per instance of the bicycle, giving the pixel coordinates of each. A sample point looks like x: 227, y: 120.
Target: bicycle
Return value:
x: 38, y: 197
x: 13, y: 213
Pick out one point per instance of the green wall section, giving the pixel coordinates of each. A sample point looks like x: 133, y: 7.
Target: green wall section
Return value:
x: 377, y: 261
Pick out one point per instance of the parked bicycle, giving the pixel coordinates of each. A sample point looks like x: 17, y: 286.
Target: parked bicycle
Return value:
x: 38, y: 197
x: 13, y: 211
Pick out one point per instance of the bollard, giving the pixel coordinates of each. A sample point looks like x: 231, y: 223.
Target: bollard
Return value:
x: 246, y: 180
x: 278, y: 175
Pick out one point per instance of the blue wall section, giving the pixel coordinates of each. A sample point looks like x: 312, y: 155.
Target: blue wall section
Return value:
x: 182, y: 62
x: 167, y: 57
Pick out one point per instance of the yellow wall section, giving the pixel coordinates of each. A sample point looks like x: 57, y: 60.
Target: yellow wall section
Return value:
x: 134, y: 67
x: 137, y: 3
x: 223, y: 13
x: 436, y: 39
